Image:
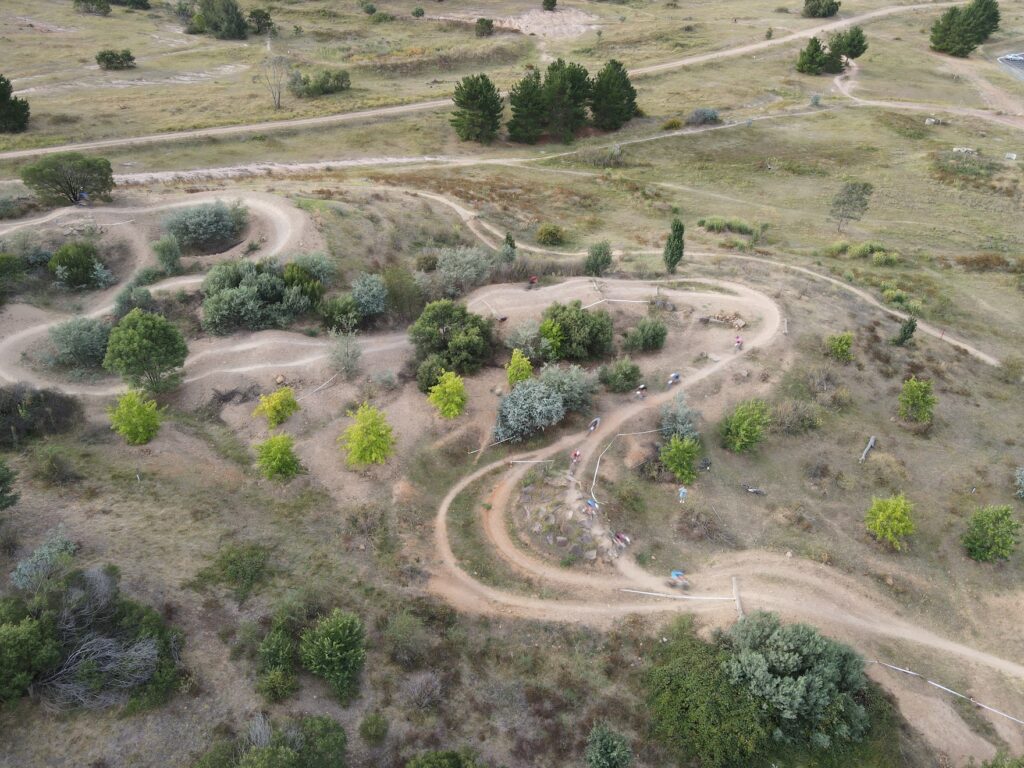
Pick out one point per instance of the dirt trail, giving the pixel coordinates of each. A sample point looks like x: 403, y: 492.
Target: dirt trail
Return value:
x: 403, y: 109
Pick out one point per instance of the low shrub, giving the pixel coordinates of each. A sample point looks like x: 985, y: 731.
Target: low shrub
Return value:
x: 840, y: 347
x: 622, y: 375
x: 132, y: 297
x: 744, y: 428
x: 253, y: 296
x: 889, y: 520
x: 278, y: 406
x: 77, y: 265
x: 136, y: 418
x: 795, y: 417
x: 679, y: 456
x: 1018, y: 482
x: 484, y: 27
x: 448, y: 395
x: 718, y: 224
x: 111, y: 59
x: 339, y: 314
x: 345, y: 354
x: 599, y: 259
x: 647, y: 336
x: 207, y: 228
x: 276, y: 459
x: 865, y: 250
x: 26, y: 413
x: 672, y: 124
x: 243, y: 567
x: 334, y: 650
x: 531, y: 407
x: 373, y: 729
x: 320, y: 83
x: 168, y: 254
x: 80, y: 343
x: 703, y: 116
x: 992, y: 534
x: 574, y: 385
x: 369, y: 439
x: 370, y: 295
x: 575, y: 333
x: 678, y: 418
x: 550, y: 234
x: 917, y: 403
x: 885, y: 259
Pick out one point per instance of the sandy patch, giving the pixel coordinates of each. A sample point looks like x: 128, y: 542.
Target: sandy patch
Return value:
x: 562, y: 24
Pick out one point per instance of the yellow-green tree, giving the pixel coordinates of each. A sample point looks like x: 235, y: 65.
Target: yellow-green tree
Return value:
x: 448, y: 395
x: 369, y: 439
x: 889, y: 520
x: 136, y: 418
x: 276, y: 458
x: 518, y: 368
x: 679, y: 455
x: 277, y: 406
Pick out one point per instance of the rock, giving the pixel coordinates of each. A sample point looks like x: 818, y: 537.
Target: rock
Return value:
x: 590, y: 554
x: 561, y: 541
x: 279, y: 379
x: 575, y: 550
x: 889, y: 581
x: 789, y: 553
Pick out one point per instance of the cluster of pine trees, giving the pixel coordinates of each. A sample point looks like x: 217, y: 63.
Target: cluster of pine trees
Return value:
x: 842, y: 47
x: 963, y: 28
x: 13, y: 111
x: 556, y: 104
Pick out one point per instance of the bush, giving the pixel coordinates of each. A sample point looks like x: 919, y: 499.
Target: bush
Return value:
x: 697, y: 712
x: 450, y: 759
x: 418, y: 13
x: 8, y: 496
x: 373, y: 729
x: 531, y: 407
x: 518, y: 368
x: 607, y: 749
x: 333, y: 649
x: 345, y: 354
x: 277, y: 684
x: 1018, y: 482
x: 906, y: 332
x: 406, y: 639
x: 146, y: 350
x: 462, y: 269
x: 992, y: 534
x: 380, y: 17
x: 648, y: 336
x: 703, y: 116
x: 132, y: 297
x: 744, y: 428
x: 548, y: 5
x: 370, y: 295
x: 820, y: 9
x: 621, y: 376
x: 321, y: 83
x: 14, y: 112
x: 810, y: 687
x: 135, y: 418
x: 28, y: 647
x: 111, y: 59
x: 276, y: 458
x: 599, y: 259
x: 574, y: 333
x: 80, y: 343
x: 77, y: 265
x: 917, y: 402
x: 241, y: 294
x: 49, y: 559
x: 448, y: 395
x: 93, y: 7
x: 795, y: 417
x: 550, y: 234
x: 840, y: 347
x: 243, y: 567
x: 889, y: 520
x: 278, y: 406
x: 679, y: 455
x: 340, y: 314
x: 1010, y: 369
x: 26, y: 412
x: 484, y: 27
x: 461, y: 340
x: 207, y: 228
x: 369, y: 439
x: 718, y: 224
x: 575, y: 386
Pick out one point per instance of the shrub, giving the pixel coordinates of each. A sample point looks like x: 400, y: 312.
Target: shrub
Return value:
x: 243, y: 567
x: 675, y: 245
x: 14, y: 112
x: 8, y: 496
x: 648, y: 336
x: 621, y: 376
x: 917, y: 401
x: 276, y: 458
x: 370, y: 295
x: 795, y: 417
x: 462, y: 269
x: 462, y: 340
x: 111, y: 59
x: 840, y: 347
x: 550, y: 234
x: 28, y: 647
x: 679, y: 455
x: 531, y: 407
x: 380, y: 17
x: 52, y: 557
x: 703, y: 116
x: 60, y: 179
x: 345, y: 354
x: 679, y: 419
x: 548, y: 5
x: 484, y: 27
x: 428, y: 372
x: 146, y: 350
x: 12, y: 267
x: 369, y: 440
x: 607, y: 749
x: 80, y: 343
x: 135, y: 418
x: 26, y: 412
x: 241, y: 294
x: 744, y: 428
x: 318, y: 265
x: 406, y: 639
x: 672, y: 124
x: 696, y: 710
x: 992, y: 534
x: 906, y: 332
x: 518, y: 368
x: 820, y: 9
x: 333, y: 649
x: 599, y: 259
x: 132, y: 297
x: 719, y: 224
x: 75, y: 265
x: 574, y: 333
x: 340, y: 313
x: 278, y: 406
x: 810, y: 687
x: 885, y: 259
x: 373, y: 729
x: 277, y: 684
x: 448, y: 395
x: 575, y: 386
x: 889, y: 520
x: 451, y: 759
x: 405, y: 296
x: 417, y: 12
x: 1018, y: 482
x: 1010, y: 369
x: 321, y: 83
x: 209, y: 227
x: 94, y: 7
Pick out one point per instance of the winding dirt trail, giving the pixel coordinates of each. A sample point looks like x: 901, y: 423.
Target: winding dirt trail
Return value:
x: 405, y: 109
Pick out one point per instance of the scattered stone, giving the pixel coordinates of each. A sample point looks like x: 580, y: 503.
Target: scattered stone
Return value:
x: 561, y: 541
x: 590, y: 554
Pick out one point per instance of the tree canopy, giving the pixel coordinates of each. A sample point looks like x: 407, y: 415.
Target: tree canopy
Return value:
x: 59, y: 179
x: 14, y: 112
x: 146, y: 350
x: 478, y: 109
x: 674, y: 246
x: 612, y: 97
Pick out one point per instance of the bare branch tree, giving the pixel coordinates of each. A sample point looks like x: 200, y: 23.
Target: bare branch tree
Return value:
x: 273, y: 73
x: 100, y: 672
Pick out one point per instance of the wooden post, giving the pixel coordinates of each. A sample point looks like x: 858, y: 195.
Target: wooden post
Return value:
x: 736, y: 595
x: 867, y: 450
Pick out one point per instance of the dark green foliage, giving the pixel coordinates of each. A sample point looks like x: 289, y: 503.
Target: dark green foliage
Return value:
x: 260, y: 21
x: 850, y: 43
x: 132, y: 297
x: 566, y: 94
x: 321, y: 83
x: 207, y: 228
x: 146, y: 350
x: 93, y: 7
x: 14, y: 112
x: 696, y: 712
x: 243, y: 567
x: 809, y: 686
x: 135, y: 5
x: 334, y: 650
x: 111, y: 59
x: 462, y: 340
x: 478, y: 108
x: 529, y: 110
x: 429, y: 371
x: 820, y: 9
x: 26, y: 413
x: 80, y: 342
x: 607, y: 749
x: 27, y: 647
x: 548, y: 5
x: 339, y: 313
x: 168, y: 254
x: 251, y: 296
x: 612, y: 97
x: 621, y: 376
x: 647, y: 336
x: 484, y: 27
x: 223, y: 19
x: 308, y: 741
x: 906, y: 333
x: 323, y: 743
x: 374, y: 729
x: 463, y: 759
x: 59, y: 179
x: 404, y: 298
x: 418, y: 13
x: 585, y: 334
x: 992, y: 534
x: 674, y: 246
x: 816, y: 59
x: 599, y: 259
x: 983, y: 17
x: 74, y: 264
x: 961, y: 29
x: 8, y: 496
x: 851, y: 202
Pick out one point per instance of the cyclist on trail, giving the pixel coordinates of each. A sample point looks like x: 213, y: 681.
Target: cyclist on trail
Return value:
x: 673, y: 379
x: 738, y: 345
x: 641, y: 392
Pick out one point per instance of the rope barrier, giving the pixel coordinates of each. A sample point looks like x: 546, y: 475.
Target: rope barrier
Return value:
x: 610, y: 443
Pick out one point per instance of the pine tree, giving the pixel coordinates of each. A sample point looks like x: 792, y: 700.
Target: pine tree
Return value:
x: 851, y: 43
x: 612, y: 97
x: 478, y: 108
x: 566, y: 92
x: 674, y: 247
x: 812, y: 59
x: 526, y: 98
x: 14, y: 112
x: 953, y: 34
x: 982, y: 17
